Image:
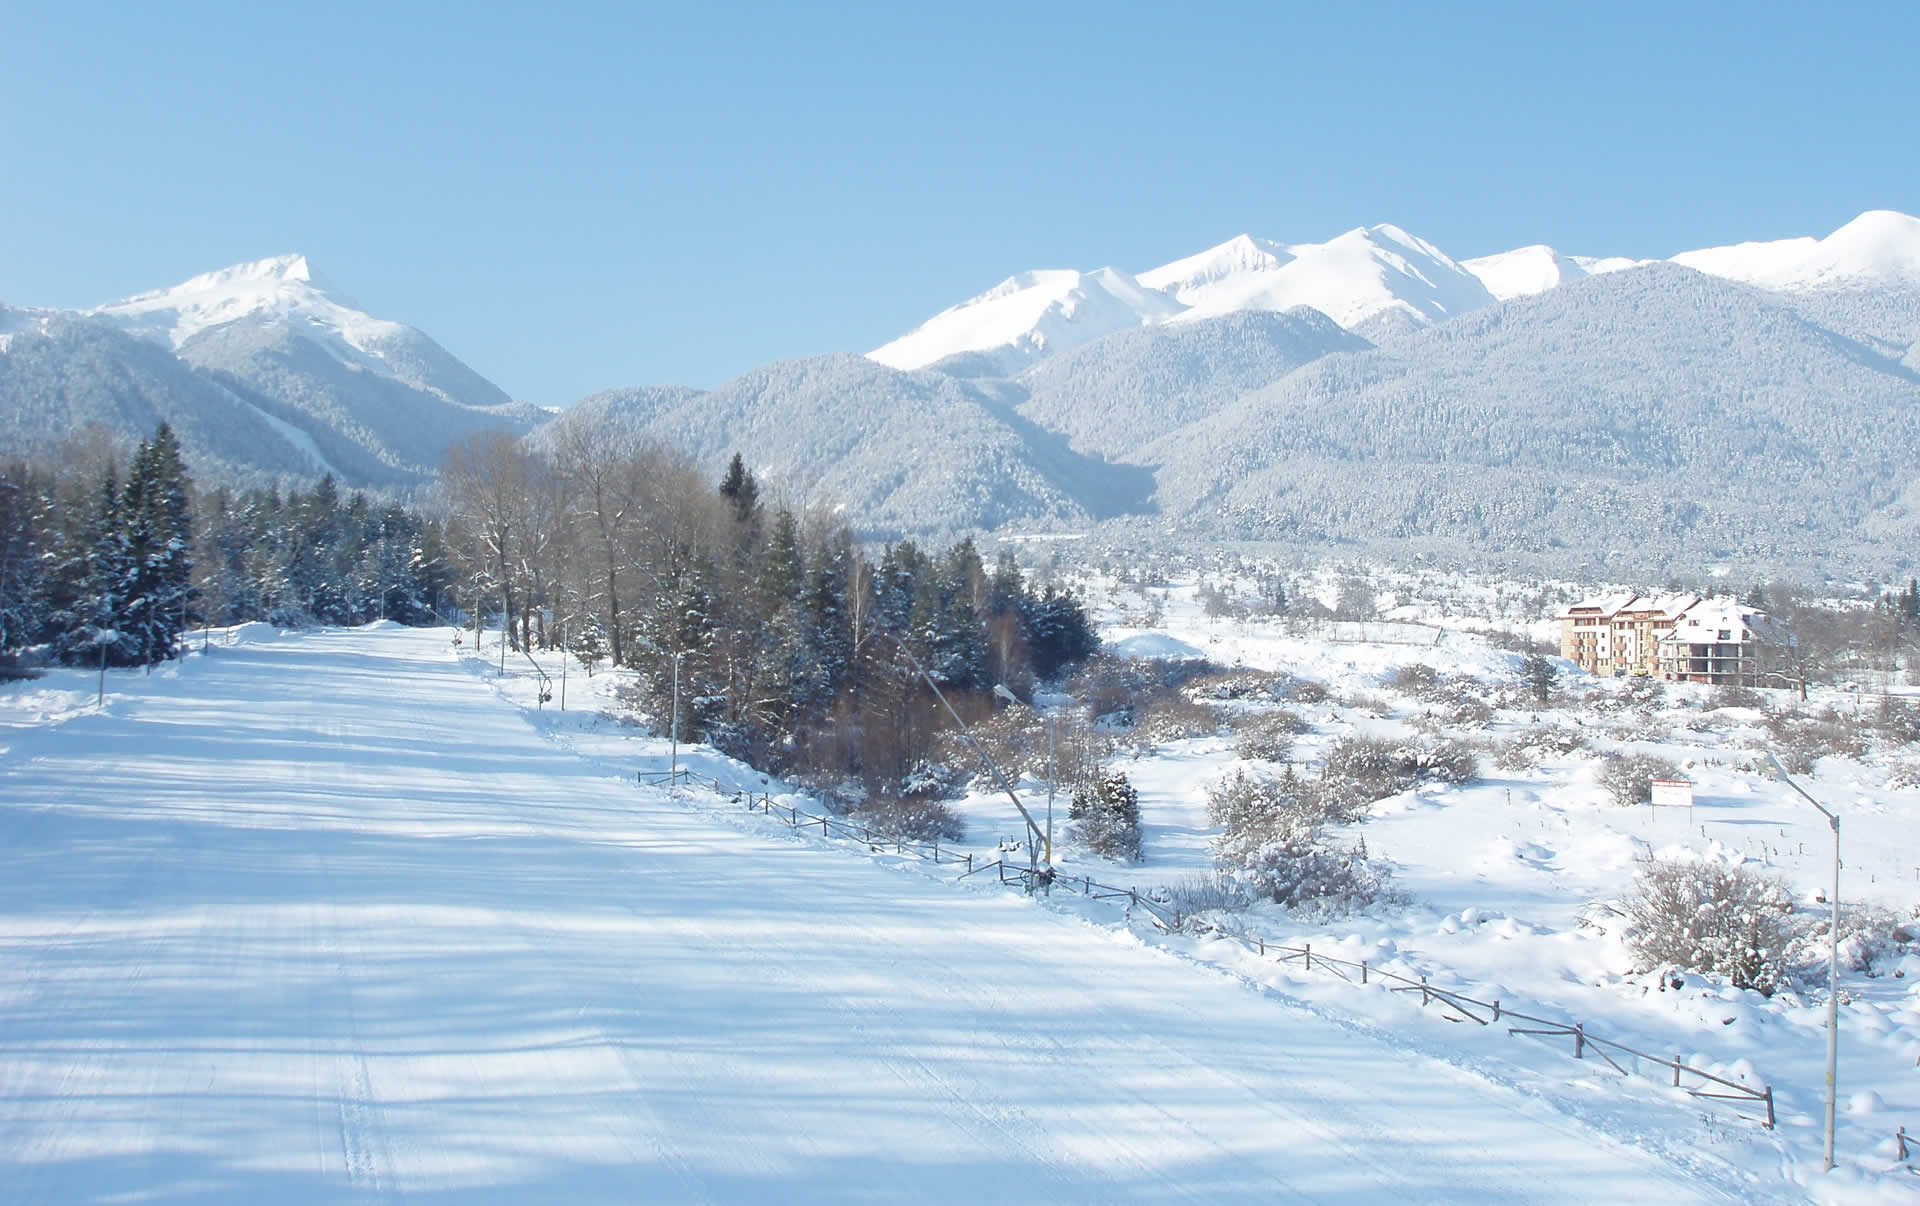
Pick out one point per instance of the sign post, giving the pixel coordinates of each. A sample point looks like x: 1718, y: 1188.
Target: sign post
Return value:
x: 1672, y: 793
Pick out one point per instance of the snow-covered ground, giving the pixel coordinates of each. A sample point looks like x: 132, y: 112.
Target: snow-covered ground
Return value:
x: 1501, y: 873
x: 339, y: 916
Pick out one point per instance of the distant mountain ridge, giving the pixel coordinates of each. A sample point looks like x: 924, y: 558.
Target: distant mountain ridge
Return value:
x: 1756, y: 404
x: 1371, y: 280
x: 264, y: 370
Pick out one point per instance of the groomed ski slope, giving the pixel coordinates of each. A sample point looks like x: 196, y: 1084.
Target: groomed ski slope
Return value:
x: 324, y: 918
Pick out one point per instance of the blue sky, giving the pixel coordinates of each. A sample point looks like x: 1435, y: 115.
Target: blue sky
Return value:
x: 627, y: 194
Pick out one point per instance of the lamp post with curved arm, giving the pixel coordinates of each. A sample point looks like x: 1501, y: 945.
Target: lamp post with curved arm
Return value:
x: 1833, y: 955
x: 1034, y: 835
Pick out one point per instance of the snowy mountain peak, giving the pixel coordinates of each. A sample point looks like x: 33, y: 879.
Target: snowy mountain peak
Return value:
x: 1029, y: 316
x: 282, y: 298
x: 1524, y: 271
x: 282, y: 289
x: 1351, y: 278
x: 1879, y: 246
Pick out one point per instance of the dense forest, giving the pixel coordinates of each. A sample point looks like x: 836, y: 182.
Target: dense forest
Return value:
x: 785, y: 641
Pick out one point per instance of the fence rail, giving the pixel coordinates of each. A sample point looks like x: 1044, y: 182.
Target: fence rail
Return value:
x: 830, y: 826
x: 1463, y: 1008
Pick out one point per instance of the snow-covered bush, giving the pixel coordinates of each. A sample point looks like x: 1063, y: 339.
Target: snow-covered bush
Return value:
x: 1106, y: 684
x: 1897, y: 722
x: 1268, y: 686
x: 1713, y: 917
x: 1800, y: 739
x: 1372, y: 705
x: 1633, y: 695
x: 1266, y: 736
x: 1197, y: 894
x: 1467, y: 713
x: 1734, y: 696
x: 1416, y: 679
x: 1871, y: 938
x: 1309, y: 691
x: 1105, y: 816
x: 1904, y: 775
x: 1174, y: 717
x: 1272, y: 844
x: 1364, y: 769
x: 919, y: 820
x: 1541, y: 743
x: 928, y: 781
x: 1628, y: 778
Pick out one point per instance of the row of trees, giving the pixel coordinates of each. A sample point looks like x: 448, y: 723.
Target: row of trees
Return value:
x: 97, y: 564
x: 793, y: 648
x: 98, y: 567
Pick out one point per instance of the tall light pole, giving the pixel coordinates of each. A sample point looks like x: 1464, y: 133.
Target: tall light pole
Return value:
x: 673, y: 723
x: 1000, y: 689
x: 966, y: 734
x: 1833, y: 956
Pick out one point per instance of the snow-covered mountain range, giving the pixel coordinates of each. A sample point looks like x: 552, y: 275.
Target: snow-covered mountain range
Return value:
x: 264, y: 370
x: 1757, y: 403
x: 1371, y: 280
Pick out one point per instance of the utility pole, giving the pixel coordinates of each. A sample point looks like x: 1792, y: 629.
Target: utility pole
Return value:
x: 1833, y: 958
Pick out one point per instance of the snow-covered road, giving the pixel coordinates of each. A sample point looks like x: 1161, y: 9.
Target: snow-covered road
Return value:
x: 323, y: 918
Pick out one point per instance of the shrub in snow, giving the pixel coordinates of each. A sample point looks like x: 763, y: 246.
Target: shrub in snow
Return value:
x: 1174, y: 717
x: 1108, y: 684
x: 1258, y: 685
x: 1733, y: 696
x: 1372, y: 705
x: 1364, y: 769
x: 1539, y: 744
x: 1628, y: 778
x: 1416, y: 679
x: 1105, y: 815
x: 1896, y: 722
x: 1197, y: 894
x: 1800, y: 739
x: 928, y: 781
x: 1904, y: 775
x: 1468, y: 713
x: 1307, y: 691
x: 1871, y: 939
x: 919, y: 820
x: 1267, y: 736
x: 1447, y: 761
x: 1272, y: 844
x: 1712, y: 917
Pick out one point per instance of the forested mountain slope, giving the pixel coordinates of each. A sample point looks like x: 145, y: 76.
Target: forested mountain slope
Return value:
x: 1656, y: 407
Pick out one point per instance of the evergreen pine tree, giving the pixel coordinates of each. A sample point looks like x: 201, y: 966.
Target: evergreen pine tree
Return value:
x: 98, y: 568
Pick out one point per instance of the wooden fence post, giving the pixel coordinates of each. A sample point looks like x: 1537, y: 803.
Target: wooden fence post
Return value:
x: 1263, y: 948
x: 1309, y: 950
x: 1676, y: 1071
x: 1579, y: 1040
x: 1363, y: 971
x: 1770, y: 1108
x: 1424, y: 995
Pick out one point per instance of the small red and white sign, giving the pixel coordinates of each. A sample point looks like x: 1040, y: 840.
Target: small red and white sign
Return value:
x: 1673, y: 793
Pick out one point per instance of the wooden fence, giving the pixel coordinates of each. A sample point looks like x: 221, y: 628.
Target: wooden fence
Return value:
x: 1462, y: 1008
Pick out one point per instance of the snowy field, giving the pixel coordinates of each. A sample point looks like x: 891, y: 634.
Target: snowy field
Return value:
x: 338, y: 916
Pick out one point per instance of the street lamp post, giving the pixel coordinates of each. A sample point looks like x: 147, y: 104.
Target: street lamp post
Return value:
x: 673, y: 721
x: 1833, y: 956
x: 966, y: 734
